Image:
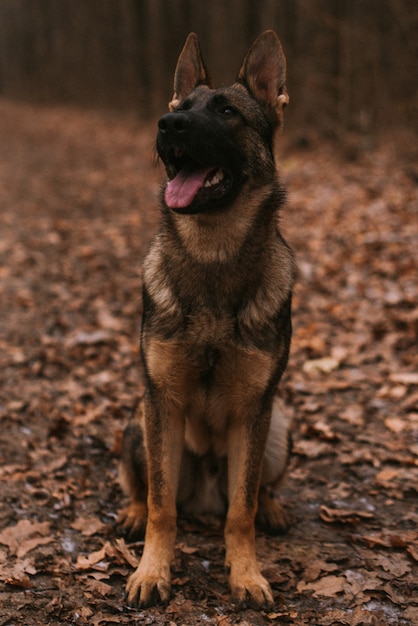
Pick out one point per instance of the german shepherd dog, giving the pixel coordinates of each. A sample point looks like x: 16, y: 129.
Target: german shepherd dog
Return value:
x: 209, y: 435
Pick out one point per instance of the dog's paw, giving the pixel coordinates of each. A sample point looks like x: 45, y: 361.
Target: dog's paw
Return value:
x: 133, y: 518
x: 250, y: 588
x: 147, y: 587
x: 271, y: 516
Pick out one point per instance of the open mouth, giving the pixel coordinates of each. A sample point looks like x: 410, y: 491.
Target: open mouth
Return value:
x: 193, y: 186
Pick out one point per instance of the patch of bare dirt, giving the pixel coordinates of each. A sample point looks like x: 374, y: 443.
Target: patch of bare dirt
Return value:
x: 78, y: 198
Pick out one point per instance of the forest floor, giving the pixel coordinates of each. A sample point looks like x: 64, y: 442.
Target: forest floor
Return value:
x: 78, y: 198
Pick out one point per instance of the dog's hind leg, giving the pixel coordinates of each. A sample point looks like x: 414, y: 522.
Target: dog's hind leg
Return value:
x: 271, y: 516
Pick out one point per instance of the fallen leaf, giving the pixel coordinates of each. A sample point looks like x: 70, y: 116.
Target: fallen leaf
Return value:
x: 18, y: 574
x: 395, y: 424
x: 411, y: 613
x: 353, y: 415
x: 346, y: 516
x: 396, y: 564
x: 108, y: 321
x: 105, y: 619
x: 92, y: 560
x: 19, y: 581
x: 187, y: 549
x: 30, y: 544
x: 405, y: 378
x: 86, y: 612
x: 25, y: 536
x: 386, y: 475
x: 98, y: 586
x: 314, y: 569
x: 323, y: 366
x: 392, y: 539
x: 88, y: 526
x: 87, y: 338
x: 312, y: 449
x: 122, y: 553
x: 319, y: 428
x: 328, y: 586
x: 413, y: 552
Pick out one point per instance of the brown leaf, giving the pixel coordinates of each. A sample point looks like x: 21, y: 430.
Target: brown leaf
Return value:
x: 92, y: 560
x: 392, y: 539
x: 353, y: 415
x: 122, y: 553
x: 98, y: 586
x: 99, y: 619
x: 328, y: 586
x: 322, y: 366
x: 312, y: 449
x: 30, y: 544
x: 396, y: 564
x: 87, y: 338
x: 387, y: 475
x: 405, y: 378
x: 18, y: 574
x: 88, y: 526
x: 413, y: 552
x: 395, y: 424
x: 187, y: 549
x: 346, y: 516
x: 108, y: 321
x: 315, y: 568
x: 20, y: 538
x: 19, y: 581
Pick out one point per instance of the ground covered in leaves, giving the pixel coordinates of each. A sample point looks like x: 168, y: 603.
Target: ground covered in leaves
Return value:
x: 78, y: 207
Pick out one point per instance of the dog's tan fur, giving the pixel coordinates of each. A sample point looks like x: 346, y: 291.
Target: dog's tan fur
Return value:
x: 215, y: 338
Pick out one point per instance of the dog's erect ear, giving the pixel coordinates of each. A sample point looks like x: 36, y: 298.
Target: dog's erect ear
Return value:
x: 190, y: 71
x: 263, y: 72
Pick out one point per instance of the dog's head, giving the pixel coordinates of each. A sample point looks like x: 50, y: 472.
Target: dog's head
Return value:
x: 213, y: 140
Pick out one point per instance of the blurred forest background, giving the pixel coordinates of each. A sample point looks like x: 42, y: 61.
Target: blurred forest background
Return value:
x: 352, y: 64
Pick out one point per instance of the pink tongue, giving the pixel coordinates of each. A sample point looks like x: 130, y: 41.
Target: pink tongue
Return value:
x: 181, y: 191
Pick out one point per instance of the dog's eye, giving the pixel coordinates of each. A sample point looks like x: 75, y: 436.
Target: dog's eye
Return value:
x: 228, y: 110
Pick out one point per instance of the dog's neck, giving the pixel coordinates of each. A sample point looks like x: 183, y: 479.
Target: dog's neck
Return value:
x: 219, y: 237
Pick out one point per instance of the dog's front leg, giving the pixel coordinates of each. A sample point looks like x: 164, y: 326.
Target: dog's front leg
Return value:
x: 164, y: 435
x: 246, y: 442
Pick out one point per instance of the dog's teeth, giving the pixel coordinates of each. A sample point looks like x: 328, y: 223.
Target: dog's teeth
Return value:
x: 215, y: 180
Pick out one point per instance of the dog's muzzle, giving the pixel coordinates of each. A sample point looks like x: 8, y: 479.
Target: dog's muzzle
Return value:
x: 195, y: 179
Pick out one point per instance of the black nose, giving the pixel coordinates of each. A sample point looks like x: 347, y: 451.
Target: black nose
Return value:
x: 174, y: 123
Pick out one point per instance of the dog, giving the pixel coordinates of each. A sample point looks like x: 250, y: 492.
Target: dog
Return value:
x: 209, y: 434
